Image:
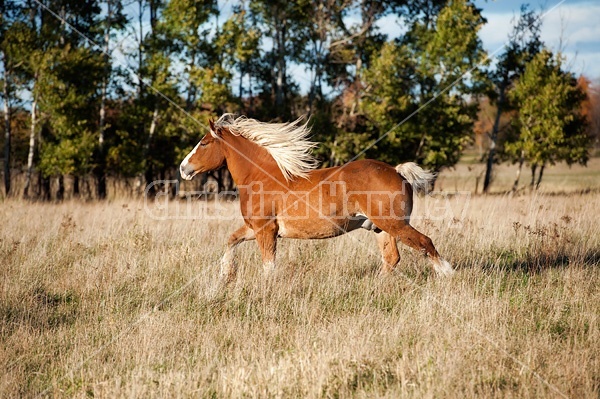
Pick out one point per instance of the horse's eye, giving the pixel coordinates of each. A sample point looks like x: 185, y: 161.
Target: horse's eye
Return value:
x: 203, y: 144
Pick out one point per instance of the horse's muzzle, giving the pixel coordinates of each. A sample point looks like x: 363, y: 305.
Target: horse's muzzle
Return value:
x: 186, y: 170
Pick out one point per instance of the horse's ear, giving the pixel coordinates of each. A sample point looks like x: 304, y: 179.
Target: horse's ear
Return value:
x: 214, y: 131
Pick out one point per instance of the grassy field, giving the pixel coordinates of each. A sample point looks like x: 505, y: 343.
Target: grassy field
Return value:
x: 561, y: 178
x: 102, y: 300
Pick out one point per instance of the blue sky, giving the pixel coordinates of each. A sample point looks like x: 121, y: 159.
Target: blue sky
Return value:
x: 577, y: 22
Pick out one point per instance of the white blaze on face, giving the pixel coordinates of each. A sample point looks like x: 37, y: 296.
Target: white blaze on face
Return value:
x: 184, y: 169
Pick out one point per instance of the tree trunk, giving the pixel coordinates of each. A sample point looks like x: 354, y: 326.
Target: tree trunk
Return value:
x: 357, y: 87
x: 153, y: 13
x: 312, y: 93
x: 100, y: 171
x: 63, y: 18
x: 7, y: 134
x: 60, y: 192
x: 241, y: 88
x: 31, y: 147
x: 516, y: 183
x: 279, y: 81
x: 493, y: 139
x: 533, y: 169
x: 148, y: 173
x: 44, y: 187
x: 251, y: 102
x: 191, y: 91
x: 76, y: 190
x: 140, y: 87
x: 539, y: 180
x: 280, y: 33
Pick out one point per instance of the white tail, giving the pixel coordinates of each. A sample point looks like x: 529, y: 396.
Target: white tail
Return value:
x: 419, y: 178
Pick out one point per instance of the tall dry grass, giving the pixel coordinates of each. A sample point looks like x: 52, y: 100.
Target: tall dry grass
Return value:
x: 99, y: 299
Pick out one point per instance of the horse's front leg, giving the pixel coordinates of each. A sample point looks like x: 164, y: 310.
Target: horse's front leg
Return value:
x: 266, y: 237
x: 228, y: 265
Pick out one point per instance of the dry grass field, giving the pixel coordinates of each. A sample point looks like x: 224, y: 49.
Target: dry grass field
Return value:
x: 560, y: 178
x: 102, y: 300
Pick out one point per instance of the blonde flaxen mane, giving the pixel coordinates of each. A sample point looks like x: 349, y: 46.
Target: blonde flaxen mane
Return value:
x: 287, y: 143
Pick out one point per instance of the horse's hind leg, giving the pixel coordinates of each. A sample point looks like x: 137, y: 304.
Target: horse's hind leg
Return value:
x: 389, y: 251
x: 414, y: 239
x: 228, y: 265
x: 266, y: 237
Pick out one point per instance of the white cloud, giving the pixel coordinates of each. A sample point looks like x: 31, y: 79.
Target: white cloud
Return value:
x: 576, y: 22
x: 495, y: 33
x: 572, y: 28
x: 584, y: 64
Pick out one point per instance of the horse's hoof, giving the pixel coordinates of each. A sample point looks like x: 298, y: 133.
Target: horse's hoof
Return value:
x: 443, y: 268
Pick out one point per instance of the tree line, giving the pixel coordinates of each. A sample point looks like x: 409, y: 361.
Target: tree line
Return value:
x: 123, y: 89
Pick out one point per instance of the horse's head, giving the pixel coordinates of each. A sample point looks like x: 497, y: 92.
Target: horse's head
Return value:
x: 206, y: 156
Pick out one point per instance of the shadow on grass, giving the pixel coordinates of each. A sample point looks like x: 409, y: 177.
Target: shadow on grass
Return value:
x: 41, y: 310
x: 536, y: 262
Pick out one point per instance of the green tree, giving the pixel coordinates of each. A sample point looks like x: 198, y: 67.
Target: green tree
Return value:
x: 281, y: 21
x: 351, y: 45
x: 523, y: 44
x: 69, y: 101
x: 22, y: 51
x: 417, y: 89
x: 113, y: 21
x: 68, y: 90
x: 9, y: 21
x: 33, y: 46
x: 57, y: 66
x: 550, y: 124
x: 185, y: 28
x: 138, y: 136
x: 238, y: 42
x: 324, y: 21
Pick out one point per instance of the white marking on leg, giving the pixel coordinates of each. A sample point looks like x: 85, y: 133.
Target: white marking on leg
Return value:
x: 269, y: 267
x: 442, y: 267
x: 227, y: 263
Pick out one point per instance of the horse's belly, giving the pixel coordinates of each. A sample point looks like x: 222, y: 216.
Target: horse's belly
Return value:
x: 322, y: 227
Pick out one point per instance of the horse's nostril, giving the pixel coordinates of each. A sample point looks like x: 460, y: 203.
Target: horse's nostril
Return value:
x: 186, y: 171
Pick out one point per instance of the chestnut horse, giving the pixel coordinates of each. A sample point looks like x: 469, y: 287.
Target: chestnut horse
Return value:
x: 281, y: 193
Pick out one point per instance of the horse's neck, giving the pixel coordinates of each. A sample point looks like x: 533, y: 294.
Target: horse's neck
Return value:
x: 248, y: 162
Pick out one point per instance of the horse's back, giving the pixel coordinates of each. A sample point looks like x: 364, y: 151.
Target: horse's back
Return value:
x: 363, y: 174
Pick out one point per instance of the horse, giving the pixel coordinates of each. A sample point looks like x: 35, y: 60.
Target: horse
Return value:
x: 282, y: 194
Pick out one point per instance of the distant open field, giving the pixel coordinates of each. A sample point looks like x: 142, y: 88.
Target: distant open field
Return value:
x: 99, y: 299
x: 561, y: 178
